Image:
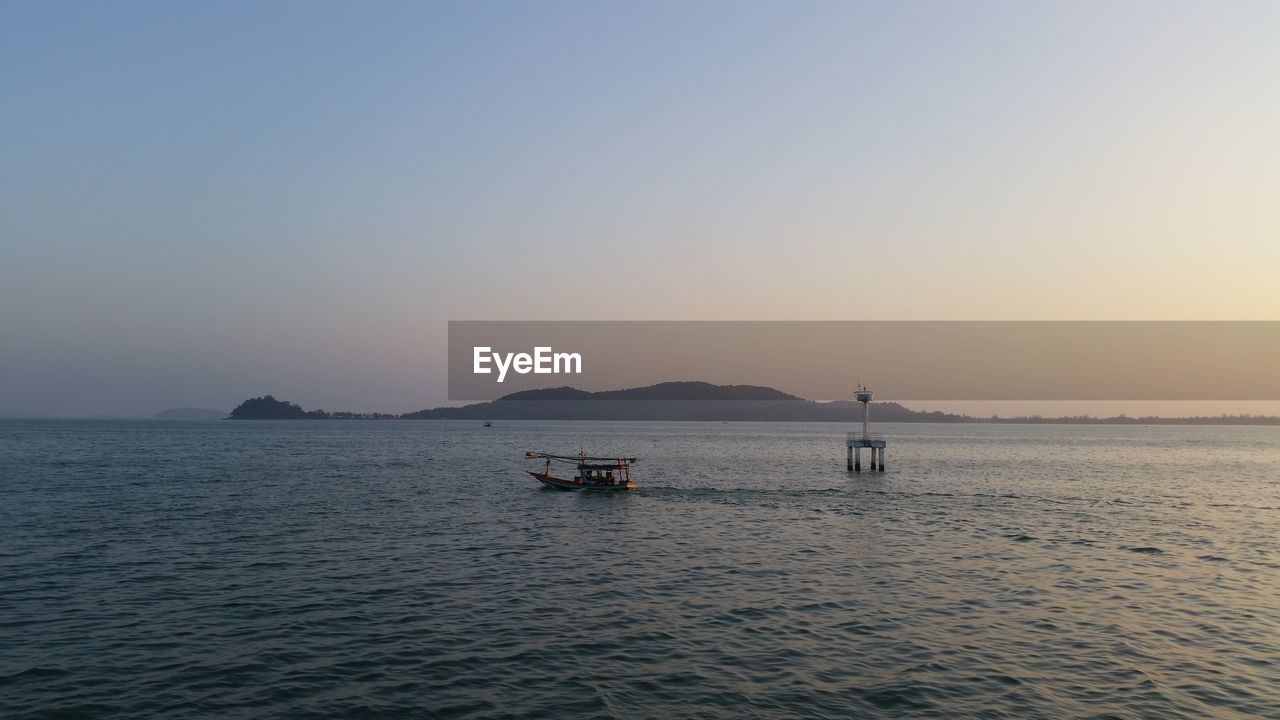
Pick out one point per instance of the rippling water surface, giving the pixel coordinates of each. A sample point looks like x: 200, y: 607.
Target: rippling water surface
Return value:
x: 411, y: 569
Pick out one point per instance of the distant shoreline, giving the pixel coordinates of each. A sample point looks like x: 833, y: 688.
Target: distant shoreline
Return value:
x: 700, y: 402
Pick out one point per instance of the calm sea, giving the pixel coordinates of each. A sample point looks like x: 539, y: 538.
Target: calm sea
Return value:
x: 411, y: 569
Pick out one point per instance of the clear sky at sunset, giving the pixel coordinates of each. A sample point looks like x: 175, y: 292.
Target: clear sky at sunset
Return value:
x: 206, y: 201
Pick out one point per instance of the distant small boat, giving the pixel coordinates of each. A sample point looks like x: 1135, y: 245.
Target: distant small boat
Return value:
x: 593, y: 473
x: 488, y: 424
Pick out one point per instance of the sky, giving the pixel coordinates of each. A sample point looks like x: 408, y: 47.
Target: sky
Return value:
x: 201, y: 202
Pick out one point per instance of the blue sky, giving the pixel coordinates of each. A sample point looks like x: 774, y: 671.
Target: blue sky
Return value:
x: 204, y: 201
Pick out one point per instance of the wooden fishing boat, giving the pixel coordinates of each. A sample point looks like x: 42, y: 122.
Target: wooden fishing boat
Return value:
x: 595, y: 474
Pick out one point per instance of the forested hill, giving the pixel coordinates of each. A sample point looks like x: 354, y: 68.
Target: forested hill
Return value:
x: 269, y: 408
x: 674, y: 401
x: 667, y: 391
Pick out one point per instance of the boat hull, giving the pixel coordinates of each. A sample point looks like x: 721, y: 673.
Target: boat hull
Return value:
x: 552, y: 481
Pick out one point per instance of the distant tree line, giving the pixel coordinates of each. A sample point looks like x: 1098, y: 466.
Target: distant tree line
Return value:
x: 269, y: 408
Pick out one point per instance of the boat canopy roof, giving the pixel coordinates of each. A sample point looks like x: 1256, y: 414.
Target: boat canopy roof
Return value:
x: 586, y: 462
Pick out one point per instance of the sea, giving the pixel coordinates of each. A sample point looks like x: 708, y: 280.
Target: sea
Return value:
x: 412, y: 569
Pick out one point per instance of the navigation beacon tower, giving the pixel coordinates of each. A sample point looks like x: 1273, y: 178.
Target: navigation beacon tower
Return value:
x: 854, y: 442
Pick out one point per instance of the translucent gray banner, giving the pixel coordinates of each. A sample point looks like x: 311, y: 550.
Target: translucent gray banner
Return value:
x: 824, y: 360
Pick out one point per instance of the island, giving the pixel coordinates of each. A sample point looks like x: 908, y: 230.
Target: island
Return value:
x: 269, y: 408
